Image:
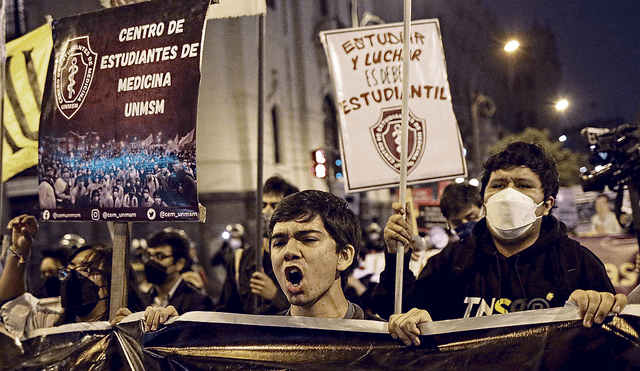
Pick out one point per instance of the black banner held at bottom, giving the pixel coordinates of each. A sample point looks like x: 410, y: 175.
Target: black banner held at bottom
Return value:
x: 550, y: 340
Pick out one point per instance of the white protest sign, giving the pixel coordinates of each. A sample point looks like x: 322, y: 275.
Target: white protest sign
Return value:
x: 366, y: 69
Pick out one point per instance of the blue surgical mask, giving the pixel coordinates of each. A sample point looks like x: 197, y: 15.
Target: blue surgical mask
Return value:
x: 465, y: 229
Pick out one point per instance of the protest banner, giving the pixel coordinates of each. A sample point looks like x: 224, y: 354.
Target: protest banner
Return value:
x: 546, y: 339
x: 117, y: 129
x: 365, y: 65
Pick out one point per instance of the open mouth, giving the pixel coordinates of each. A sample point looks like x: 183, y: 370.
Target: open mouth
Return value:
x: 294, y: 278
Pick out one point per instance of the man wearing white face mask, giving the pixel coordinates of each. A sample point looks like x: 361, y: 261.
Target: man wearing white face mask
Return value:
x: 519, y: 257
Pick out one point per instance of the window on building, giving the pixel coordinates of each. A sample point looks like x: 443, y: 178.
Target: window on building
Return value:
x: 271, y: 4
x: 275, y: 122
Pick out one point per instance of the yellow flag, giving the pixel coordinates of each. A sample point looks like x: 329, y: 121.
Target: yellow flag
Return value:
x: 27, y: 62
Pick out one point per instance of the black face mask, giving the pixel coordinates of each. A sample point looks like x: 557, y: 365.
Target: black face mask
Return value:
x: 79, y: 294
x: 52, y: 287
x: 155, y: 272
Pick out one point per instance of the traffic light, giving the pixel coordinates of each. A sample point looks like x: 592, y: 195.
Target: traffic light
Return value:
x: 319, y: 168
x: 337, y: 168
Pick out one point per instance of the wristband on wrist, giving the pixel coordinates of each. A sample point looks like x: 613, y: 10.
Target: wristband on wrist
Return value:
x: 20, y: 256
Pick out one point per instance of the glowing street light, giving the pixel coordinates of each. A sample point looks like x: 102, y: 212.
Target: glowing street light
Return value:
x: 511, y: 46
x: 562, y: 105
x: 563, y: 138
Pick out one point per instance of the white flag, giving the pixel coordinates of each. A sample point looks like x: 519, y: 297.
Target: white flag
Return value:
x: 236, y: 8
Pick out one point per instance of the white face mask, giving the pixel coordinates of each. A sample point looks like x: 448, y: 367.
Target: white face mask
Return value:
x: 511, y: 213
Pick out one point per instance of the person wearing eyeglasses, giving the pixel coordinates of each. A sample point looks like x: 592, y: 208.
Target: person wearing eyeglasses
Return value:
x: 84, y: 285
x: 165, y: 260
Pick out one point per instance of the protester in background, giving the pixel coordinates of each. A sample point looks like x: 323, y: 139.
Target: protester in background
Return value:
x: 461, y: 204
x: 314, y: 241
x: 604, y: 222
x: 84, y: 290
x: 47, y: 194
x: 518, y: 257
x: 233, y: 244
x: 147, y: 200
x: 62, y: 188
x: 244, y: 284
x: 52, y: 261
x: 182, y: 185
x: 165, y: 259
x: 157, y: 201
x: 130, y: 199
x: 117, y: 197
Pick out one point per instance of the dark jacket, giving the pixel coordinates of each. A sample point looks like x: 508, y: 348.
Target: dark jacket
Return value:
x: 237, y: 297
x: 471, y: 278
x: 187, y: 298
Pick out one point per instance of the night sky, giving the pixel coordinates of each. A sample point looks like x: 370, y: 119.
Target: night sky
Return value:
x: 599, y: 48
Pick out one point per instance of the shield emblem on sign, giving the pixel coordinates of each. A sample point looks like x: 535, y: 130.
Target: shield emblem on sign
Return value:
x: 386, y: 135
x: 73, y: 72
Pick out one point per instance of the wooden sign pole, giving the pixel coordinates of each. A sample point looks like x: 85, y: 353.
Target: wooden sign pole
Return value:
x: 121, y: 237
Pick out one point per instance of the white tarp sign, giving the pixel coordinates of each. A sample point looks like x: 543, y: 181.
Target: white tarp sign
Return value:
x: 366, y: 69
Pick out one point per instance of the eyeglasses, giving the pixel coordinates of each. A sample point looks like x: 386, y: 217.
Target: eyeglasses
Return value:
x: 157, y: 256
x: 81, y: 271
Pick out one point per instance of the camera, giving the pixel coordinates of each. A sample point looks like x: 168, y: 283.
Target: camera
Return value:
x: 616, y: 156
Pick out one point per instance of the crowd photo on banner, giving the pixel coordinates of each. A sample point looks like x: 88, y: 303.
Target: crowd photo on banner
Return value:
x: 428, y: 230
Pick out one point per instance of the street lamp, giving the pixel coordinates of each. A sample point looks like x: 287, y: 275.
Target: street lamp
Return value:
x: 562, y: 105
x: 511, y: 46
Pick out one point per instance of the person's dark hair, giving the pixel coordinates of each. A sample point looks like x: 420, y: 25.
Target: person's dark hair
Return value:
x: 279, y: 186
x: 602, y: 195
x: 176, y: 238
x: 530, y: 155
x: 101, y: 259
x: 338, y: 219
x: 59, y: 254
x: 458, y: 197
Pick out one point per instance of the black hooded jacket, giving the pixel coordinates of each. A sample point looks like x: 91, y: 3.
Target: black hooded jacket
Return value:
x: 471, y: 278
